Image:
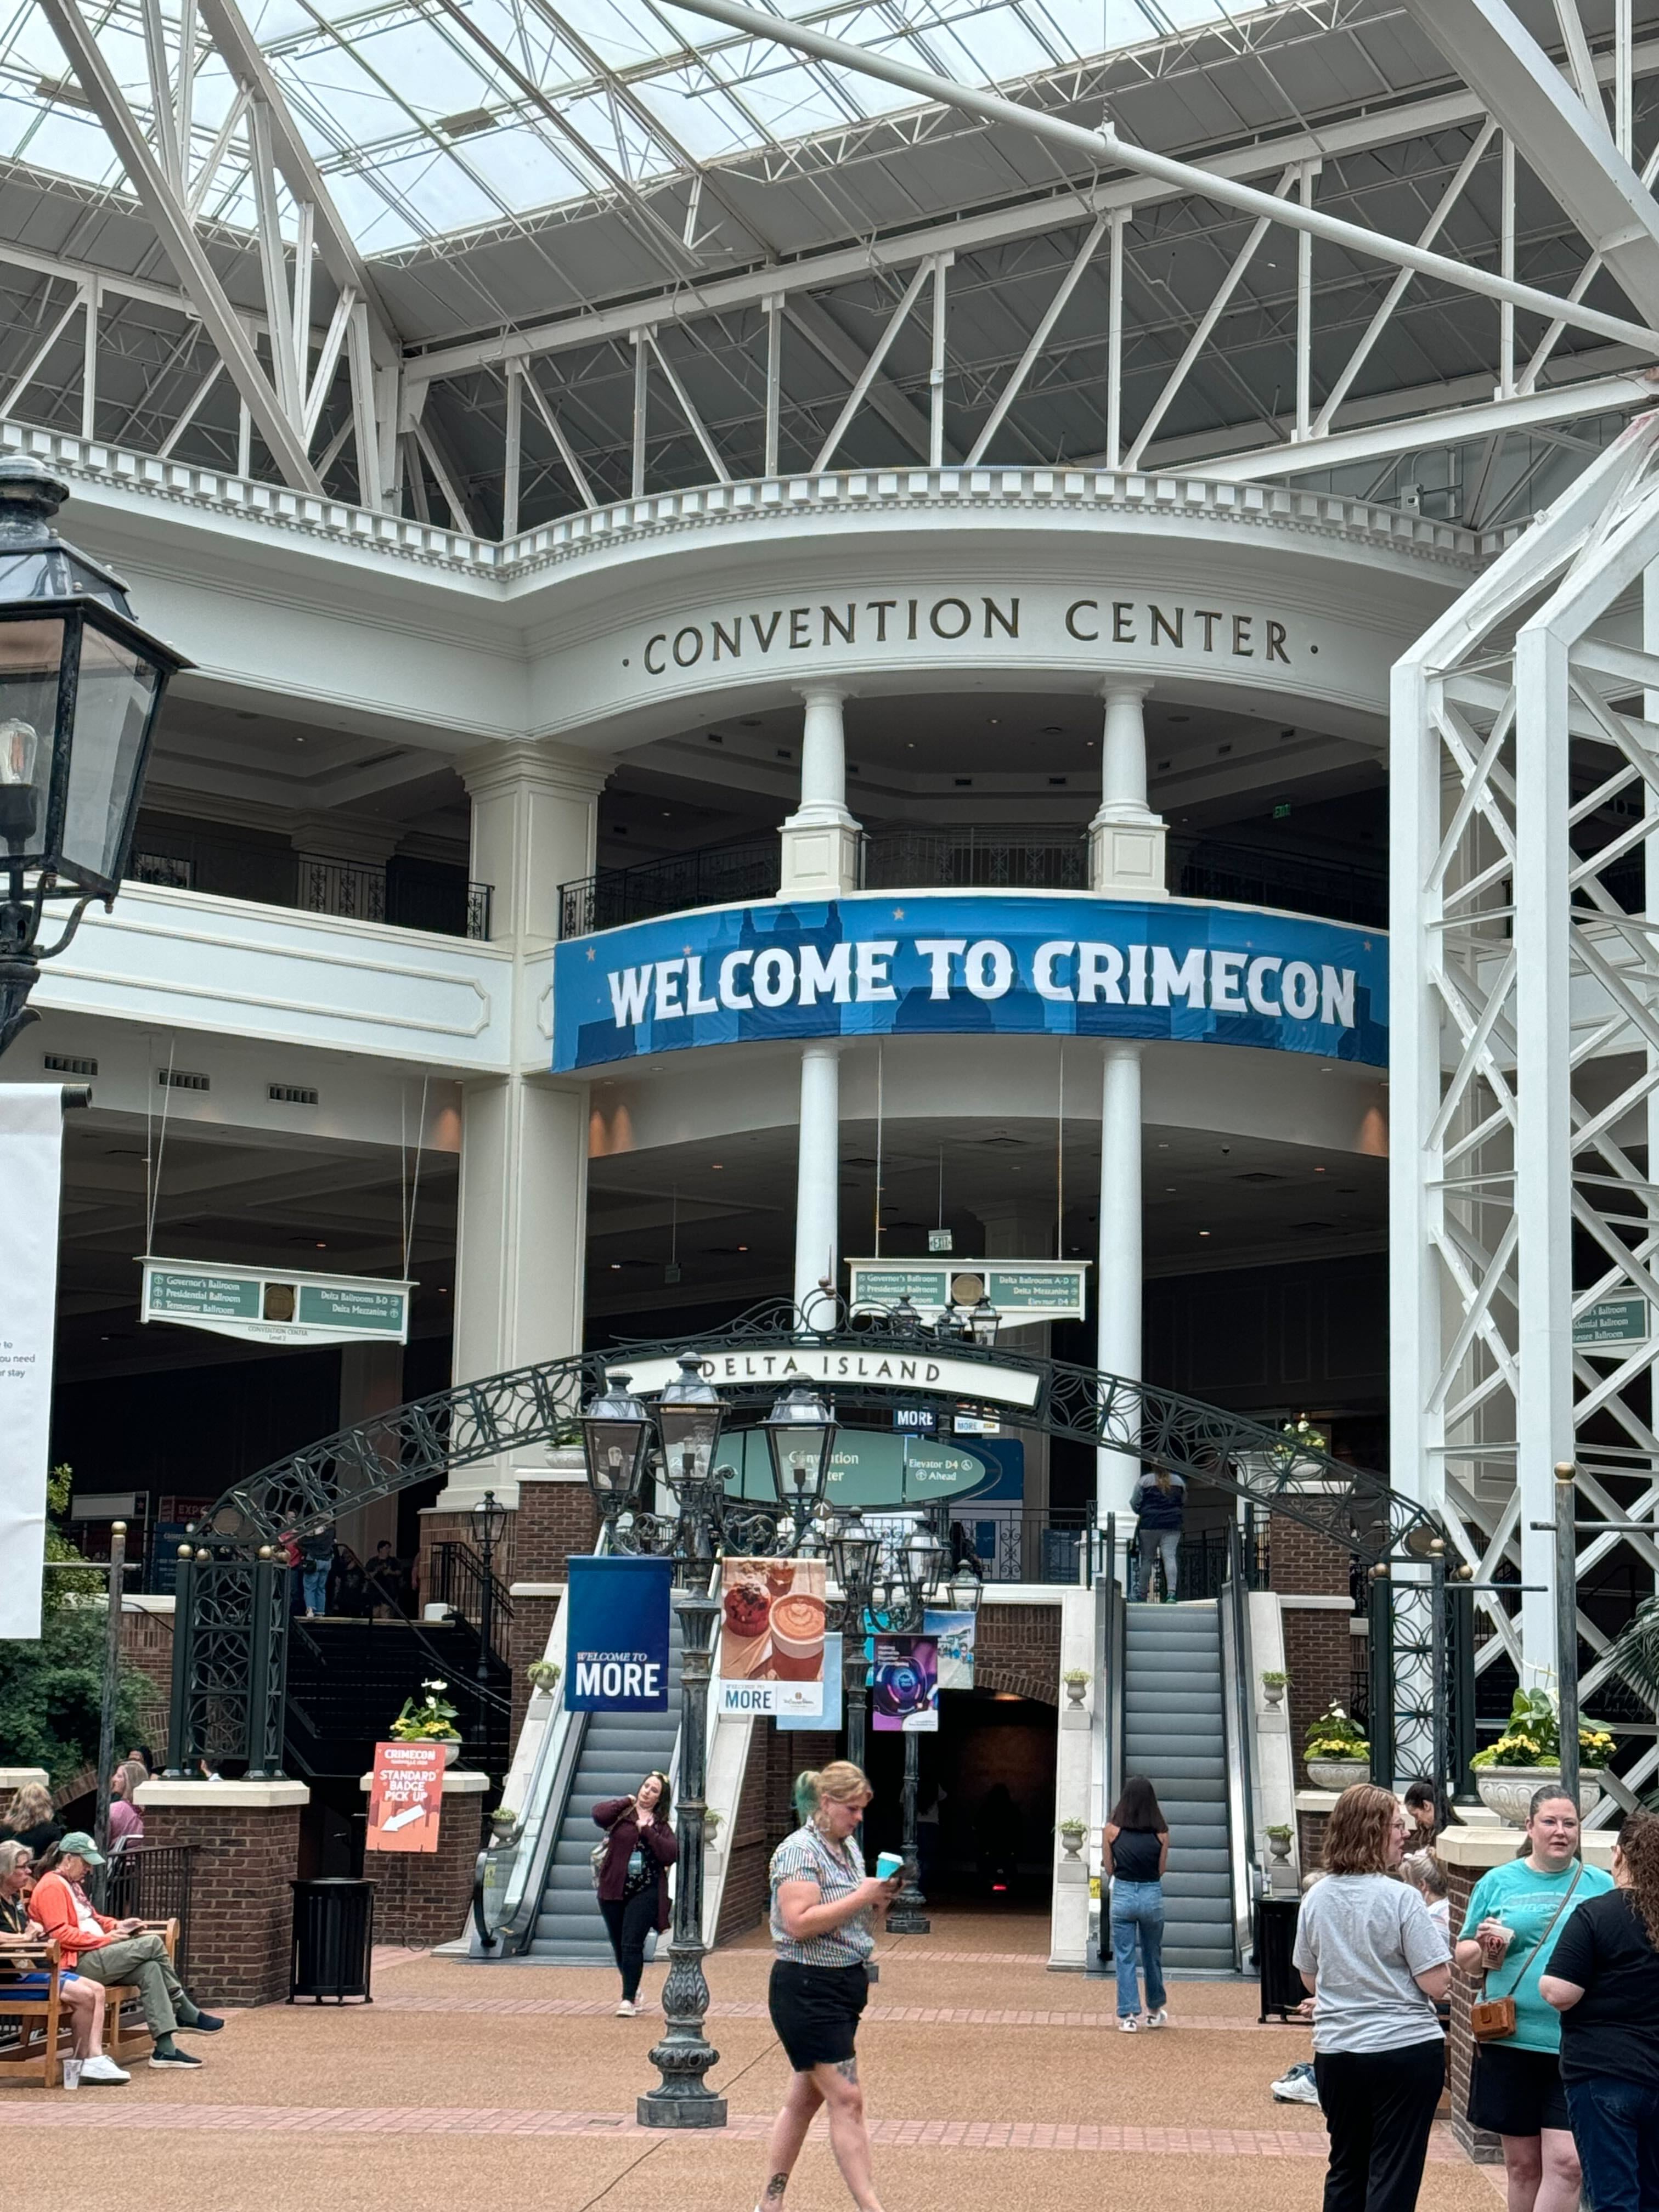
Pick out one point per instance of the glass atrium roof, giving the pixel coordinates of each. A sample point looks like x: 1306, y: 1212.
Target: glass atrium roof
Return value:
x: 431, y: 119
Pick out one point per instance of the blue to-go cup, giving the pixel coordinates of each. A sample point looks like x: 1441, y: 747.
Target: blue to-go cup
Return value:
x: 888, y: 1863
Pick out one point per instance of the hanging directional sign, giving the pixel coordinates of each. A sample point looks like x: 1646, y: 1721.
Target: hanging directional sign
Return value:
x: 1022, y: 1291
x: 276, y: 1305
x: 868, y: 1467
x: 1611, y: 1324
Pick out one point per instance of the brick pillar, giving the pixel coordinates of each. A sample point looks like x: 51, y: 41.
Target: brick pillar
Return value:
x: 1310, y: 1575
x: 556, y: 1516
x: 246, y: 1836
x: 423, y: 1897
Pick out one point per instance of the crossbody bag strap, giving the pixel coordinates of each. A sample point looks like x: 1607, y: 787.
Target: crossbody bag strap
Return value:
x: 1536, y: 1947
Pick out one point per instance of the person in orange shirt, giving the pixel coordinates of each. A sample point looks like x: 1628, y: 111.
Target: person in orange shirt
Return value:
x: 116, y: 1951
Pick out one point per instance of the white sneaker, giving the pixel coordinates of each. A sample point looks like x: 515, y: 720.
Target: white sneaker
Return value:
x: 626, y: 2010
x: 103, y: 2068
x: 1129, y: 2027
x: 1158, y: 2019
x: 1296, y: 2090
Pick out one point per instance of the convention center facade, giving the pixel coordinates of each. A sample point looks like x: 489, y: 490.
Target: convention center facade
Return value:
x: 804, y: 694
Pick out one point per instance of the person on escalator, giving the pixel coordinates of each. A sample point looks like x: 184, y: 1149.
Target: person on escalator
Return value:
x: 1159, y: 1501
x: 639, y: 1849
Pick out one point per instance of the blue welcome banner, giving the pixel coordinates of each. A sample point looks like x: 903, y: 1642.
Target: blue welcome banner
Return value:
x: 616, y: 1645
x: 975, y: 964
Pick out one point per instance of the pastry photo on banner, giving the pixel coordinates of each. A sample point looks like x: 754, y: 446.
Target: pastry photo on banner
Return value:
x: 773, y: 1613
x: 904, y: 1685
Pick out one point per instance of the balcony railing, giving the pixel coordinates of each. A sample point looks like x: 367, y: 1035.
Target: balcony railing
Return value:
x: 1012, y: 858
x: 421, y: 897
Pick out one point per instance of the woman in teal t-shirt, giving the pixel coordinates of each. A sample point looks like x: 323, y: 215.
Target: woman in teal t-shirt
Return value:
x: 1515, y: 1915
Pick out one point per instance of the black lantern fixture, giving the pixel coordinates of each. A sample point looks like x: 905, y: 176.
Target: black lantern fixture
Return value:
x: 800, y: 1436
x: 983, y: 1322
x: 80, y: 687
x: 923, y: 1562
x: 905, y: 1321
x: 488, y: 1520
x: 689, y: 1416
x: 965, y: 1588
x: 616, y: 1437
x: 853, y: 1549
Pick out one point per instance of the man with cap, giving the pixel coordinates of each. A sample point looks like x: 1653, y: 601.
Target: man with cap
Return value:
x: 114, y: 1952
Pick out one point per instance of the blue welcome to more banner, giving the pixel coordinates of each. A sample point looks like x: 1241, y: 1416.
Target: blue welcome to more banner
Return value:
x: 972, y: 963
x: 616, y: 1645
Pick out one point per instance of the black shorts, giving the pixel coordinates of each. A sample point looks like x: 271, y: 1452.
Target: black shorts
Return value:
x: 1516, y: 2092
x: 815, y: 2010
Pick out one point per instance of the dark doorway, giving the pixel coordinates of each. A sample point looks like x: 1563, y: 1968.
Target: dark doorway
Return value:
x: 989, y: 1775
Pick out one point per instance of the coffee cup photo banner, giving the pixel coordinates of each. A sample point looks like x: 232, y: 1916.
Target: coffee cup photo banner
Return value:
x: 616, y: 1636
x: 772, y: 1618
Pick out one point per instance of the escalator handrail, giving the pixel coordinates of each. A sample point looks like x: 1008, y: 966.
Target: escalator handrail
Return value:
x: 1240, y: 1708
x: 543, y: 1809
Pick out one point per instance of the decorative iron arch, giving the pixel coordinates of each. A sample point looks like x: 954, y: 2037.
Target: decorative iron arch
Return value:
x: 230, y: 1642
x: 527, y: 1406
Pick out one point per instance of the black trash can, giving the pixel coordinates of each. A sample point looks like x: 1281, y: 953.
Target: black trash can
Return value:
x: 1282, y: 1986
x: 333, y: 1939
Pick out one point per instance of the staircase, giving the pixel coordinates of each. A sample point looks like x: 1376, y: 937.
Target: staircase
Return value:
x: 618, y: 1751
x: 1174, y: 1734
x: 347, y: 1681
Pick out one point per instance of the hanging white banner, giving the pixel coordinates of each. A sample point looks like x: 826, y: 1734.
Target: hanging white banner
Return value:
x: 276, y: 1305
x: 30, y: 1175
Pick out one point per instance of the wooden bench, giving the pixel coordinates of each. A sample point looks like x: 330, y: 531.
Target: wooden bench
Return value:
x: 127, y: 2038
x: 42, y: 2019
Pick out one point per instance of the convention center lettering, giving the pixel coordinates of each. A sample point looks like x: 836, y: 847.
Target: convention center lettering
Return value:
x: 751, y: 635
x: 966, y: 964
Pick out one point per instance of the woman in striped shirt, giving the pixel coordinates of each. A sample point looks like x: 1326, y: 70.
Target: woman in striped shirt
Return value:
x: 822, y: 1900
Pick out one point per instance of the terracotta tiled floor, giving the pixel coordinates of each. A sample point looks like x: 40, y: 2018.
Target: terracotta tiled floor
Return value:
x: 464, y: 2084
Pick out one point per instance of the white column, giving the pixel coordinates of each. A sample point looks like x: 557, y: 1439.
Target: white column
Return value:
x: 1125, y: 838
x: 1118, y: 1340
x: 821, y: 838
x: 522, y: 1226
x: 817, y: 1173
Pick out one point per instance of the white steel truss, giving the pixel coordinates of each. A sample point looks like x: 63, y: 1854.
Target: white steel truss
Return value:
x: 1109, y: 359
x: 1525, y: 1068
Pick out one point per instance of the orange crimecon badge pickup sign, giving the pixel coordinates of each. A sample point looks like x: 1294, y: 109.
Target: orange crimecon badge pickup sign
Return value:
x: 406, y: 1797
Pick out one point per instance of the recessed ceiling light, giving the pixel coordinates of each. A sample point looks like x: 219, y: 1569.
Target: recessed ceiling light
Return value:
x: 1169, y: 1187
x: 616, y: 1266
x: 717, y: 1165
x: 1319, y: 1171
x: 321, y: 1247
x: 742, y: 1248
x: 1203, y: 1232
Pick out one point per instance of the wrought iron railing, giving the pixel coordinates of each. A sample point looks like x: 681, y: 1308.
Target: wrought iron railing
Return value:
x: 420, y: 896
x: 969, y: 857
x: 1245, y: 875
x: 712, y: 876
x: 152, y: 1881
x: 457, y: 1577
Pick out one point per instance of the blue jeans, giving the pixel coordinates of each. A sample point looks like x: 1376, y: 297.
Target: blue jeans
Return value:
x: 1615, y: 2124
x: 1152, y: 1541
x: 316, y: 1586
x: 1140, y: 1905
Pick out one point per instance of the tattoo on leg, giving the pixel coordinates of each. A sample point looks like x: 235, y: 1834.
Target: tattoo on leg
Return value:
x: 847, y: 2069
x: 775, y: 2187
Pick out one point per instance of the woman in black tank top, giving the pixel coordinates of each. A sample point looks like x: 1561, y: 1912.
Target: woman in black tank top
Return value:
x: 1137, y: 1840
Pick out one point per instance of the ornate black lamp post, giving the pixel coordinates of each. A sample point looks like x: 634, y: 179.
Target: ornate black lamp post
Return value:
x: 854, y: 1558
x: 616, y: 1436
x: 920, y: 1568
x: 81, y: 686
x: 489, y: 1525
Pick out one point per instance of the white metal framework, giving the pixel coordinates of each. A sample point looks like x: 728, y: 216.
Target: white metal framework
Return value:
x: 496, y: 261
x: 1525, y: 1068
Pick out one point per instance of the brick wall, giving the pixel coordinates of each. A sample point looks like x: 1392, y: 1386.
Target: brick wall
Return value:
x: 554, y: 1520
x: 1304, y: 1563
x: 423, y: 1897
x: 242, y: 1915
x: 147, y: 1648
x: 1486, y: 2149
x: 439, y: 1528
x: 1017, y: 1647
x: 1318, y: 1660
x: 1311, y: 1840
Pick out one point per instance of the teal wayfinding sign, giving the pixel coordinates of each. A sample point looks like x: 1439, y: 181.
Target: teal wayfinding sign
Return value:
x: 868, y: 1467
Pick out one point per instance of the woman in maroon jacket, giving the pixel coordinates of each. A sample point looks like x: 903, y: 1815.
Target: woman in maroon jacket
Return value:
x: 640, y: 1848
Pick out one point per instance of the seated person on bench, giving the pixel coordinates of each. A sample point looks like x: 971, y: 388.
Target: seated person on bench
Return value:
x: 82, y: 2001
x: 116, y: 1952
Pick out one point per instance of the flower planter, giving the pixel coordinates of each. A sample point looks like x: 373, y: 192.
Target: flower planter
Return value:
x: 1072, y: 1841
x: 1075, y: 1692
x: 1273, y: 1693
x: 1279, y: 1846
x: 1338, y: 1773
x: 452, y: 1745
x: 1507, y: 1790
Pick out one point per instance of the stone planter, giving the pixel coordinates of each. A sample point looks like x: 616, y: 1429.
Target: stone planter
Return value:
x: 1076, y: 1692
x: 1280, y: 1845
x: 1338, y: 1773
x: 1072, y: 1840
x: 1273, y: 1693
x: 452, y: 1745
x: 1507, y: 1790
